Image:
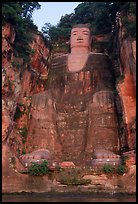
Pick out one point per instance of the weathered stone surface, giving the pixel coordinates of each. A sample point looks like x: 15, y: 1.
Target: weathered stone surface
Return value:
x: 18, y: 83
x: 130, y: 158
x: 17, y: 87
x: 127, y: 86
x: 127, y: 92
x: 6, y: 121
x: 67, y: 164
x: 96, y: 179
x: 112, y: 184
x: 128, y: 181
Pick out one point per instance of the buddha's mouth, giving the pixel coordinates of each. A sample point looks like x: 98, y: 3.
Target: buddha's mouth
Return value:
x: 79, y: 41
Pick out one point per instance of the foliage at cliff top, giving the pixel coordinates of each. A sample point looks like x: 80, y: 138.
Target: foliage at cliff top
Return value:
x: 100, y: 15
x: 129, y: 20
x: 19, y: 15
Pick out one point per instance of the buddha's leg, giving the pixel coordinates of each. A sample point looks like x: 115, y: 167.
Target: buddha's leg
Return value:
x: 42, y: 125
x: 103, y: 127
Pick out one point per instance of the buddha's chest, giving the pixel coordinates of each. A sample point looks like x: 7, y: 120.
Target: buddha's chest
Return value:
x: 75, y: 93
x: 76, y: 62
x: 78, y: 83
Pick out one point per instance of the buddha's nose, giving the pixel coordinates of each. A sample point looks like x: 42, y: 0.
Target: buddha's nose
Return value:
x: 79, y: 37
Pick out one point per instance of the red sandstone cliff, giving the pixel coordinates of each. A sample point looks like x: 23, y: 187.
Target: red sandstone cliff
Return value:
x: 127, y: 85
x: 19, y: 82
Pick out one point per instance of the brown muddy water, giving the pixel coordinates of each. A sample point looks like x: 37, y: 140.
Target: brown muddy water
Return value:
x: 67, y: 197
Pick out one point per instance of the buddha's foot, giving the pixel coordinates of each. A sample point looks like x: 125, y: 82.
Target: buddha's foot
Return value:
x: 102, y: 157
x: 37, y: 156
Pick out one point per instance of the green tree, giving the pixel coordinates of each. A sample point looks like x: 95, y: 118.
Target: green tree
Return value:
x: 102, y: 23
x: 66, y: 21
x: 132, y: 8
x: 28, y: 8
x: 55, y: 33
x: 13, y: 12
x: 100, y: 15
x: 45, y: 30
x: 19, y: 15
x: 84, y: 13
x: 95, y: 13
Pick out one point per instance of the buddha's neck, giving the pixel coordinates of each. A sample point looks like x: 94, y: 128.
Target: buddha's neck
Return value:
x: 80, y: 50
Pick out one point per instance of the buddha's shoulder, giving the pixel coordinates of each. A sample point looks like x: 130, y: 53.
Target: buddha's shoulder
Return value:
x: 59, y: 58
x: 98, y: 58
x: 95, y: 55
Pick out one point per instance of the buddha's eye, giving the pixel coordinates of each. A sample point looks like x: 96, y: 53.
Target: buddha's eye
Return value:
x: 74, y: 33
x: 85, y: 33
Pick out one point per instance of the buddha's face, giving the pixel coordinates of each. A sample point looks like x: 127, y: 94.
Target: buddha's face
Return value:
x: 80, y: 37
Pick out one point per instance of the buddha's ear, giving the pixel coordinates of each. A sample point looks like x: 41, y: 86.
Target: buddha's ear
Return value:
x: 91, y: 41
x: 69, y: 44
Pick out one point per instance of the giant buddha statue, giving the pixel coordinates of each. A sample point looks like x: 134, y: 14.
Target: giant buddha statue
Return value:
x: 75, y: 117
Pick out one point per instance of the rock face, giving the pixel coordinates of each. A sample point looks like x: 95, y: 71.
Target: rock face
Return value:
x: 127, y: 85
x: 67, y: 164
x: 127, y: 92
x: 18, y: 85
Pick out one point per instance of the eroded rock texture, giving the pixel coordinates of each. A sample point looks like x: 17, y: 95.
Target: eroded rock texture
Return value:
x: 126, y: 86
x: 18, y: 85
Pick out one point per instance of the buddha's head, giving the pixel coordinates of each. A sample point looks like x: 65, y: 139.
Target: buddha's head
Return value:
x: 81, y: 36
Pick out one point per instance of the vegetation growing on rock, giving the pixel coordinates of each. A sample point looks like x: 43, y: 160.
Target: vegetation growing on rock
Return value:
x: 19, y: 15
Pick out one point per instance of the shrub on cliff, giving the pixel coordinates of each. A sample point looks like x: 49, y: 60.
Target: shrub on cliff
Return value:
x: 108, y: 168
x: 38, y: 169
x: 120, y: 170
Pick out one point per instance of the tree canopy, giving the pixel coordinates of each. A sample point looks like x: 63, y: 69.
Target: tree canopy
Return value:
x: 100, y: 15
x: 19, y: 15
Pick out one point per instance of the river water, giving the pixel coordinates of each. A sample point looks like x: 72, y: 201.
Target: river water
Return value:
x: 67, y: 197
